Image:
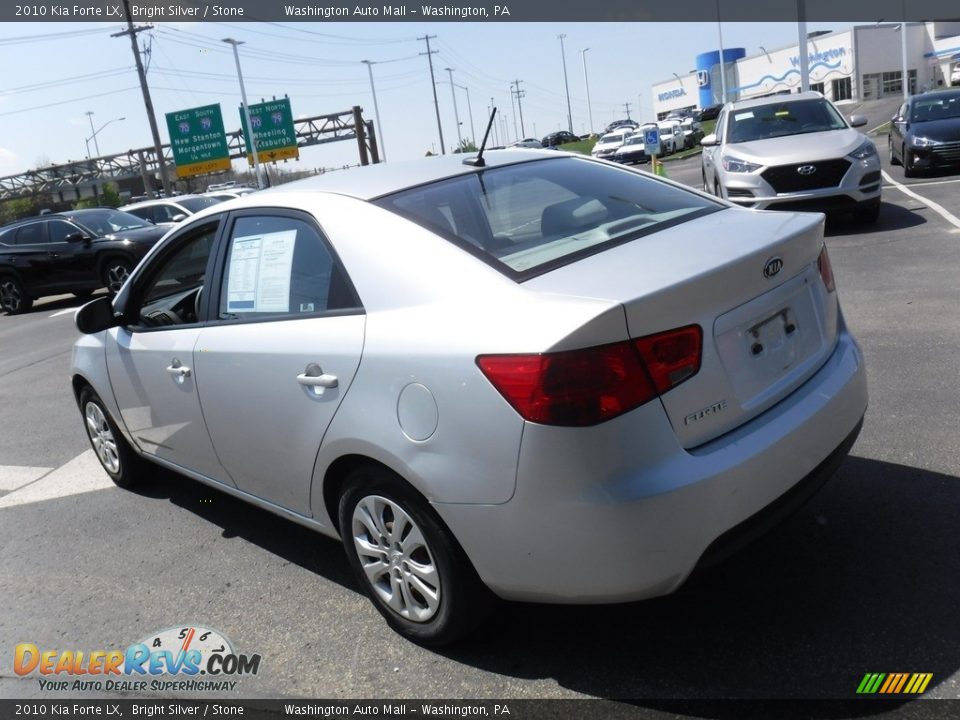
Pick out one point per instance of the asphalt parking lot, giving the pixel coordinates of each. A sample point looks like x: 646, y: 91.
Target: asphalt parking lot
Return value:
x: 863, y: 579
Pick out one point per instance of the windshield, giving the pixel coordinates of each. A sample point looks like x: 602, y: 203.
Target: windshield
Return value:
x: 530, y: 217
x: 938, y: 107
x: 612, y: 138
x: 635, y: 140
x: 106, y: 221
x: 196, y: 204
x: 793, y: 117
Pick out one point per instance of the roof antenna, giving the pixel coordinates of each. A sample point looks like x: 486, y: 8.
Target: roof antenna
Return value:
x: 478, y: 160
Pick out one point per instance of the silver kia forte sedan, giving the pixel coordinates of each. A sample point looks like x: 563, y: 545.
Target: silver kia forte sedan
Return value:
x: 526, y: 377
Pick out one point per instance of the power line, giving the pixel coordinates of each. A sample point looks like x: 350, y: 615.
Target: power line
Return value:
x: 101, y: 75
x: 51, y: 36
x: 67, y: 102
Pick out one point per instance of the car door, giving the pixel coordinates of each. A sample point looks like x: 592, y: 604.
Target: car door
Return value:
x: 279, y: 353
x: 33, y: 259
x: 711, y: 154
x: 897, y: 129
x: 75, y: 259
x: 150, y: 357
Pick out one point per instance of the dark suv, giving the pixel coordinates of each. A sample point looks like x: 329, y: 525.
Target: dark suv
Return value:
x: 73, y: 252
x: 561, y: 137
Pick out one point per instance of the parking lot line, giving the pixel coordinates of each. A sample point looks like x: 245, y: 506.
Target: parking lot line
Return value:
x: 83, y: 474
x: 936, y: 207
x: 16, y: 476
x: 933, y: 182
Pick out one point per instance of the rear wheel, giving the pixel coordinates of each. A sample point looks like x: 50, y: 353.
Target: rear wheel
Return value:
x: 13, y: 297
x: 868, y: 214
x: 117, y: 458
x: 407, y: 562
x: 115, y: 273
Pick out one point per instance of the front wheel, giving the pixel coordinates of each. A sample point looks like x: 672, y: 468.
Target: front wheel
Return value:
x: 13, y: 297
x: 117, y: 458
x: 908, y: 163
x: 893, y: 155
x: 407, y: 562
x: 115, y: 274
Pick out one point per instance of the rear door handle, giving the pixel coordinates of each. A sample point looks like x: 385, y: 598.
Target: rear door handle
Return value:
x: 313, y: 376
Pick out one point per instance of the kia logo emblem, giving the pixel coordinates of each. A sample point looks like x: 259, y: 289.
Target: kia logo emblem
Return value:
x: 773, y: 266
x: 807, y: 169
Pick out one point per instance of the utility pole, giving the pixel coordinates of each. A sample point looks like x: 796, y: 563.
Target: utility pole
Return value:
x: 147, y: 102
x: 496, y: 130
x: 513, y: 111
x: 519, y: 93
x: 566, y: 85
x: 433, y: 83
x: 456, y: 113
x: 586, y: 82
x: 376, y: 108
x: 473, y: 134
x: 627, y: 108
x: 252, y: 140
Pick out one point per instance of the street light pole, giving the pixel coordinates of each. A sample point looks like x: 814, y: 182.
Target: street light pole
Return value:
x: 97, y: 132
x: 251, y: 142
x: 566, y: 85
x: 376, y: 108
x: 456, y: 113
x: 586, y: 82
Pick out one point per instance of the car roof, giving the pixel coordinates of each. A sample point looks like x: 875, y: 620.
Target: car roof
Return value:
x: 775, y: 100
x: 158, y: 201
x: 372, y: 181
x: 945, y: 92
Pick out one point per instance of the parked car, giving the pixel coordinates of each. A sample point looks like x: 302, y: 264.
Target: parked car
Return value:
x: 482, y: 375
x: 671, y: 137
x: 925, y: 132
x: 622, y: 125
x: 167, y: 212
x: 792, y: 152
x: 73, y: 252
x: 632, y: 151
x: 692, y: 132
x: 230, y: 193
x: 955, y: 76
x: 561, y: 137
x: 526, y: 143
x: 711, y: 112
x: 608, y: 144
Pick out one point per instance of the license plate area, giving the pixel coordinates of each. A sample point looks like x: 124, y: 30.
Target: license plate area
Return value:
x: 766, y: 344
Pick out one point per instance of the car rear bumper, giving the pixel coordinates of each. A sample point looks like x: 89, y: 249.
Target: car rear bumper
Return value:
x: 621, y: 512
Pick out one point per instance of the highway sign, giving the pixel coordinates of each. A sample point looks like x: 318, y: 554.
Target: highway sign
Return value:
x: 273, y: 131
x: 651, y: 140
x: 198, y: 141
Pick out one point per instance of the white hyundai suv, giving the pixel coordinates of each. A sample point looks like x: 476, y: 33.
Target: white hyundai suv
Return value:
x: 792, y: 152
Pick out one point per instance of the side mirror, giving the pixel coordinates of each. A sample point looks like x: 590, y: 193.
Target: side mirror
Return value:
x: 76, y: 237
x: 857, y: 121
x: 709, y: 140
x: 96, y: 315
x: 180, y: 217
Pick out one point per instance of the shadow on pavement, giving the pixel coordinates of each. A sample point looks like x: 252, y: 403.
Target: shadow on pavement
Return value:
x: 892, y: 217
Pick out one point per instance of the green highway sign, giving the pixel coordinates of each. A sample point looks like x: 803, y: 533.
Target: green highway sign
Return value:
x: 273, y: 131
x: 198, y: 141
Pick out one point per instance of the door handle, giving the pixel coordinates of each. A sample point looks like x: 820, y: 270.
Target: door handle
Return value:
x: 179, y: 371
x: 314, y: 377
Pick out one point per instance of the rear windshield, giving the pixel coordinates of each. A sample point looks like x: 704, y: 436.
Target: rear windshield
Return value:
x: 196, y: 204
x: 796, y: 117
x: 528, y: 218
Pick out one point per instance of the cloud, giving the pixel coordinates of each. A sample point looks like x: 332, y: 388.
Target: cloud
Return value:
x: 8, y: 160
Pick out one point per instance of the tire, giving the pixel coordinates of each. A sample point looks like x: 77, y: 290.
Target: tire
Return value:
x: 13, y: 296
x: 703, y: 176
x: 893, y: 156
x: 868, y: 214
x: 114, y: 273
x: 908, y: 169
x: 117, y: 458
x: 420, y: 581
x: 717, y: 190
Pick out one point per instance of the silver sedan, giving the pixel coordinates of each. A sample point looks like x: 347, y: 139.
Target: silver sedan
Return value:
x: 527, y: 377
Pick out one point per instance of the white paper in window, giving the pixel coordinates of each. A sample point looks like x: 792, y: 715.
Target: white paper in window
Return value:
x: 259, y: 275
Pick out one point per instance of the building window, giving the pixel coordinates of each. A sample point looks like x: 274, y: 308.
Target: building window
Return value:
x: 818, y: 87
x: 893, y: 82
x: 841, y: 89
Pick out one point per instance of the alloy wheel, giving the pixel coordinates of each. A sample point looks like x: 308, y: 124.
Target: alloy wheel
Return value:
x: 115, y: 276
x: 101, y: 436
x: 396, y: 559
x: 11, y: 296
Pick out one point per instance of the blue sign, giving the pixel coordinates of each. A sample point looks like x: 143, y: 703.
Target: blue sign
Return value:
x: 651, y: 140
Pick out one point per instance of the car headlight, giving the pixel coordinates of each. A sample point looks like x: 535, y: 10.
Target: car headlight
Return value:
x: 732, y: 164
x: 920, y: 141
x: 866, y: 150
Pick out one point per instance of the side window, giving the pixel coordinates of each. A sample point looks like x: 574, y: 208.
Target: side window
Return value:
x: 165, y: 213
x: 59, y: 229
x: 172, y: 293
x: 144, y: 213
x: 32, y: 234
x: 280, y: 266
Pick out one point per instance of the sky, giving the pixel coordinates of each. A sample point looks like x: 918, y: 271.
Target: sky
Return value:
x: 57, y: 72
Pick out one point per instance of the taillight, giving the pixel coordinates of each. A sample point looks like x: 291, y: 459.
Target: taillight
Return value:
x: 592, y: 385
x: 826, y: 270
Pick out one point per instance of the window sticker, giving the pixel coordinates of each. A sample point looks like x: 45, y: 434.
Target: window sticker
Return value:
x: 259, y: 274
x: 743, y: 116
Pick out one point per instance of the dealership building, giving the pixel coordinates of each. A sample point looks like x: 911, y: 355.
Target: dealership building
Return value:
x: 862, y: 63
